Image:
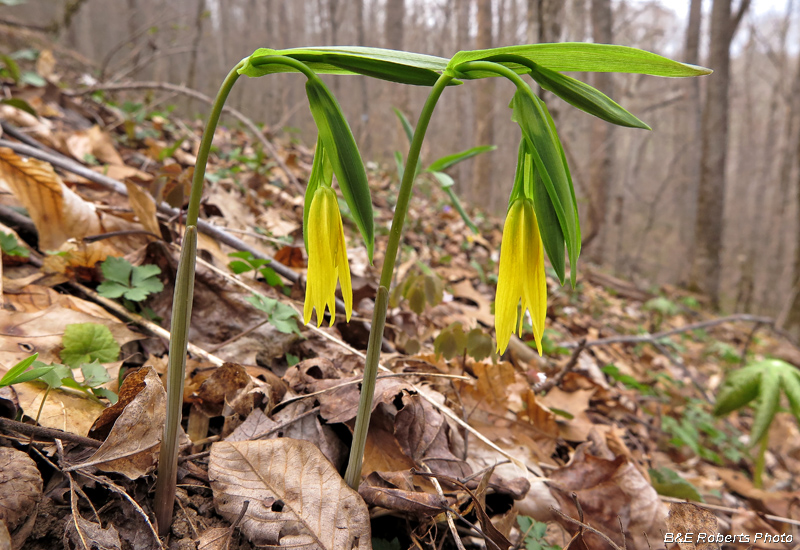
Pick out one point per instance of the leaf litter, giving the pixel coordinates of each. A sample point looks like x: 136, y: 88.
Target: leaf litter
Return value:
x: 595, y: 433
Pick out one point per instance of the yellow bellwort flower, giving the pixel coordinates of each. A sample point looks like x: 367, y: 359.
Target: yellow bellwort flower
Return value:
x: 327, y: 258
x: 521, y: 276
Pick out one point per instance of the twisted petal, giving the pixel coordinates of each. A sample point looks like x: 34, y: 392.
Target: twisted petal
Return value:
x: 327, y: 258
x: 521, y: 276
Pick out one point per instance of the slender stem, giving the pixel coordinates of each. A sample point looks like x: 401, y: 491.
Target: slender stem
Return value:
x: 758, y: 471
x: 181, y: 318
x: 199, y: 175
x: 491, y: 67
x: 353, y: 474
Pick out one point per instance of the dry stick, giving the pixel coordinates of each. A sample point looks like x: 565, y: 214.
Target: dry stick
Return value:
x: 150, y: 85
x: 111, y: 184
x: 449, y: 515
x: 585, y: 526
x: 646, y: 338
x: 547, y: 385
x: 743, y: 358
x: 139, y: 320
x: 50, y: 433
x: 730, y: 510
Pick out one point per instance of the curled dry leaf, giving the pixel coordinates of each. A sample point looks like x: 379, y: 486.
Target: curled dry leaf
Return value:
x: 84, y: 534
x: 216, y: 538
x: 58, y: 212
x: 296, y: 496
x: 132, y: 445
x: 20, y: 487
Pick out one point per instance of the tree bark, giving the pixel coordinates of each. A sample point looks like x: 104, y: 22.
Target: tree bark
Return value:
x: 601, y: 161
x: 484, y: 108
x: 705, y: 274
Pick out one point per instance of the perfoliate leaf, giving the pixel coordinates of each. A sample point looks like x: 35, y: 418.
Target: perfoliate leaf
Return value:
x: 581, y: 57
x: 446, y: 162
x: 585, y: 97
x: 87, y: 342
x: 769, y: 399
x: 395, y: 66
x: 546, y: 153
x: 738, y: 389
x: 346, y: 160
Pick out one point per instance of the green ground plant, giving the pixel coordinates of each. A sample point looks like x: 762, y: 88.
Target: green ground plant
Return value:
x: 542, y: 213
x: 762, y: 381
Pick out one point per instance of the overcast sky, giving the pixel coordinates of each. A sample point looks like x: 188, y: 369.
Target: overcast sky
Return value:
x: 681, y: 7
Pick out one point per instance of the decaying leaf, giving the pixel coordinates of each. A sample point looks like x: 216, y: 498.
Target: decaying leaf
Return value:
x: 132, y: 445
x: 86, y: 535
x: 64, y: 410
x: 58, y: 212
x: 216, y: 538
x: 20, y: 487
x: 296, y: 496
x: 685, y: 517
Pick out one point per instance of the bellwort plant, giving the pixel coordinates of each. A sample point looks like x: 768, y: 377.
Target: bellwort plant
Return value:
x: 542, y: 212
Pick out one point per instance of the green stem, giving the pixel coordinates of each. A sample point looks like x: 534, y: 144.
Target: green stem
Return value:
x: 353, y: 474
x: 181, y: 318
x: 496, y: 68
x: 758, y: 472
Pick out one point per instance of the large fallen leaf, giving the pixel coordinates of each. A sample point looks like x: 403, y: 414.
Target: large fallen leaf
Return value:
x: 20, y: 486
x: 132, y: 445
x: 65, y: 410
x: 94, y: 142
x: 296, y: 496
x: 59, y: 213
x: 685, y: 518
x: 79, y: 532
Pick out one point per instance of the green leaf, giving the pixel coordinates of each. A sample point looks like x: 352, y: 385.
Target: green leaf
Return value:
x: 12, y: 68
x: 33, y: 79
x: 585, y: 97
x: 94, y: 374
x: 117, y: 270
x: 582, y: 57
x: 547, y: 154
x: 238, y: 267
x: 17, y: 369
x: 405, y: 123
x: 55, y: 377
x: 668, y: 483
x: 108, y: 394
x: 111, y: 289
x: 346, y: 160
x: 739, y: 388
x: 281, y: 316
x: 446, y: 162
x: 769, y: 398
x: 791, y: 386
x: 87, y: 342
x: 10, y: 246
x: 444, y: 180
x: 20, y: 104
x: 398, y: 159
x: 392, y: 65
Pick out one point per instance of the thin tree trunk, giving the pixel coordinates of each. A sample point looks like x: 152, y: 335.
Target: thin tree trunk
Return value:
x: 705, y: 275
x: 484, y: 107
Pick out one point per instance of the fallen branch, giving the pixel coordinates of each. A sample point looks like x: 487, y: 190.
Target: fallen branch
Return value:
x: 49, y: 433
x: 177, y: 88
x: 550, y: 383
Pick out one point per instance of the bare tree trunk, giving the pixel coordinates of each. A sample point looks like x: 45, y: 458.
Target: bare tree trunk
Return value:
x: 793, y: 317
x: 484, y: 107
x: 705, y: 273
x: 688, y: 133
x: 531, y: 20
x: 362, y: 41
x: 601, y: 162
x: 393, y: 32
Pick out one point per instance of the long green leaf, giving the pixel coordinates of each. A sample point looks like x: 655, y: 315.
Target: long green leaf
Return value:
x: 396, y: 66
x: 581, y: 57
x: 407, y: 128
x: 791, y: 385
x: 547, y: 219
x: 346, y: 160
x: 584, y: 97
x: 769, y: 398
x: 17, y: 369
x: 447, y: 161
x: 546, y: 152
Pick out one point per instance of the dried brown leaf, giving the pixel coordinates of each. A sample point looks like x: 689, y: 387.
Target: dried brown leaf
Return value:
x: 20, y: 486
x: 64, y: 410
x: 410, y: 502
x: 216, y: 538
x: 296, y: 496
x: 685, y: 517
x: 132, y: 445
x: 79, y: 531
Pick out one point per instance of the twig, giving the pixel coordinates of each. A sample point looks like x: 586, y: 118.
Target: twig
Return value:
x: 585, y: 526
x: 747, y: 343
x: 449, y: 514
x: 50, y: 433
x: 549, y: 384
x: 645, y: 338
x: 238, y: 115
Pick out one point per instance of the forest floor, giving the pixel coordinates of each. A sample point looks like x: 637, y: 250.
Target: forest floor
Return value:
x: 606, y: 432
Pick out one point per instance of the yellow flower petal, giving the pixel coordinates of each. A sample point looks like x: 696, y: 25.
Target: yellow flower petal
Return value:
x: 327, y: 258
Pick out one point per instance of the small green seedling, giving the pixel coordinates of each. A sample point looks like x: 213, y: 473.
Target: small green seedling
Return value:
x: 245, y: 261
x: 279, y: 315
x: 763, y: 380
x: 453, y: 341
x: 19, y: 373
x: 659, y: 308
x: 420, y: 286
x: 534, y: 533
x: 132, y: 283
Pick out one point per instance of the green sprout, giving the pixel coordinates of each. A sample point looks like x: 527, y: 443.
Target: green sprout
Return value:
x: 763, y: 381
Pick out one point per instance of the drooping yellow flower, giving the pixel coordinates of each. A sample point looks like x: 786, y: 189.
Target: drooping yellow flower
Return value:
x: 327, y: 257
x: 521, y: 276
